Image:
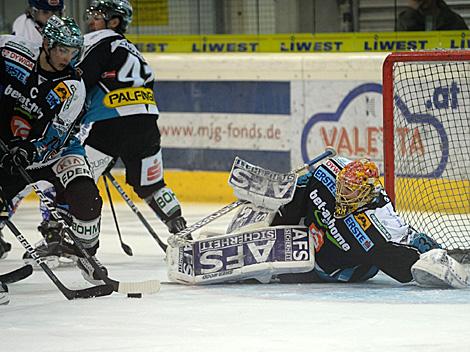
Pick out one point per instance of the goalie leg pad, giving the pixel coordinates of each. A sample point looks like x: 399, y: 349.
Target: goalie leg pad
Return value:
x: 437, y: 269
x: 258, y: 254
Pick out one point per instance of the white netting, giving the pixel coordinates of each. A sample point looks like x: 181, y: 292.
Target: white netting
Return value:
x: 432, y: 148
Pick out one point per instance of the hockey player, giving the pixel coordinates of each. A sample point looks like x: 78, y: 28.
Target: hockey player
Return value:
x: 121, y: 121
x: 354, y: 231
x: 30, y: 24
x: 41, y: 101
x: 4, y: 297
x: 121, y: 107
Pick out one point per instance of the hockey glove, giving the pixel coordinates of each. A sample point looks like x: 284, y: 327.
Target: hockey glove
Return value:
x: 22, y: 153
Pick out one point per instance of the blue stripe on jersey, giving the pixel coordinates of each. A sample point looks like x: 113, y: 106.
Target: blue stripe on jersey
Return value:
x: 222, y: 159
x: 242, y: 97
x: 324, y: 176
x: 358, y: 233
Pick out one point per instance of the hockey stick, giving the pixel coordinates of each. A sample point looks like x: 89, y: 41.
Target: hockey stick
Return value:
x: 134, y: 208
x: 175, y: 239
x: 95, y: 291
x: 17, y: 274
x: 150, y: 286
x: 126, y: 248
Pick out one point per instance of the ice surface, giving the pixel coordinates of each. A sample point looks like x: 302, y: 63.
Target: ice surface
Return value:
x: 379, y: 316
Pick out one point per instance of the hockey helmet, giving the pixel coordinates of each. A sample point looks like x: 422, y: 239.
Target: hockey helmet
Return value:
x: 357, y: 184
x: 110, y: 9
x: 64, y: 32
x: 48, y: 5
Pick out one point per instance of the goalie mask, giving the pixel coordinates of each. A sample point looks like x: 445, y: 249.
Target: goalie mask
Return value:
x: 357, y: 184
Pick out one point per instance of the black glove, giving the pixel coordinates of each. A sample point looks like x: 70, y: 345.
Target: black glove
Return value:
x: 4, y: 213
x: 22, y: 153
x: 176, y: 225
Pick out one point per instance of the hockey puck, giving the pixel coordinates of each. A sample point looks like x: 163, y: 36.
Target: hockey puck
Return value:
x: 134, y: 295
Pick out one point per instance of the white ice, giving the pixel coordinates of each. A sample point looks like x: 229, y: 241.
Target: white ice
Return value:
x: 379, y: 316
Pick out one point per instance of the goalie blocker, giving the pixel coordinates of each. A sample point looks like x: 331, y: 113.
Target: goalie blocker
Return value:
x: 258, y: 254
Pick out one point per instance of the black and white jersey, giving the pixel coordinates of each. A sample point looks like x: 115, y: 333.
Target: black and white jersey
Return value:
x: 24, y: 26
x: 372, y: 235
x: 119, y: 81
x: 36, y: 105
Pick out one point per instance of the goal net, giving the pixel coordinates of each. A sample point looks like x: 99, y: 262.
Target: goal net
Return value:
x: 426, y: 97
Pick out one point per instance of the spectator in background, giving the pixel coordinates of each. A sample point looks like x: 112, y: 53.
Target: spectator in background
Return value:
x: 29, y: 25
x: 428, y: 15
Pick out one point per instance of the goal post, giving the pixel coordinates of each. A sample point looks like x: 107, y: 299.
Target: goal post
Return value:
x: 426, y: 124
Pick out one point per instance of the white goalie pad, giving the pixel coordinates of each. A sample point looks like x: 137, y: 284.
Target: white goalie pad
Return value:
x: 437, y: 269
x: 264, y: 188
x: 239, y: 256
x: 250, y: 217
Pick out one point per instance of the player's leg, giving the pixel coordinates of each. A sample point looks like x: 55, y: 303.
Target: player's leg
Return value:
x: 144, y: 172
x: 4, y: 297
x: 5, y: 247
x: 79, y: 202
x: 81, y: 196
x: 139, y: 149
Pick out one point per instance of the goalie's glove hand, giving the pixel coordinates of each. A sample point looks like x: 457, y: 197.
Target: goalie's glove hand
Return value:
x: 21, y: 153
x: 176, y: 225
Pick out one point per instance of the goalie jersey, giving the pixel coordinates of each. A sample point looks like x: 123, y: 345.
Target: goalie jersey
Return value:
x: 355, y: 247
x: 118, y: 80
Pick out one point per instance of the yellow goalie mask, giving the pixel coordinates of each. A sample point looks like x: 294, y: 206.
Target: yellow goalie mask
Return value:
x: 356, y: 185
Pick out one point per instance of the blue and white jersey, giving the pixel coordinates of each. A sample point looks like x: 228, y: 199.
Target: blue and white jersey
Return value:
x: 39, y: 106
x: 119, y: 81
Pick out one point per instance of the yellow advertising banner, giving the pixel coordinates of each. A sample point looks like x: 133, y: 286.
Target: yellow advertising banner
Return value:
x: 303, y: 43
x: 150, y: 13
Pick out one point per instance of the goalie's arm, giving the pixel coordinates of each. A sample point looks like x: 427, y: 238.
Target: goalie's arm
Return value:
x: 395, y: 260
x: 293, y: 212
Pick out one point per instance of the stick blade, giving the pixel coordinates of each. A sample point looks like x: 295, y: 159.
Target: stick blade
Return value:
x: 90, y: 292
x: 144, y: 287
x: 17, y: 275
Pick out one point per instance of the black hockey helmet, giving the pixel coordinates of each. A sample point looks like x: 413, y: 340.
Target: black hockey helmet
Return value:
x: 110, y: 9
x: 56, y: 6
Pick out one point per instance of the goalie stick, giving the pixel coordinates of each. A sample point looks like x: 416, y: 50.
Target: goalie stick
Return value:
x: 181, y: 237
x: 147, y: 287
x: 95, y: 291
x: 17, y: 274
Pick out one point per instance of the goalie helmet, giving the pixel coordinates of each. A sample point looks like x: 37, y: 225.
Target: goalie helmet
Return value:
x: 110, y: 9
x: 63, y: 31
x: 357, y: 184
